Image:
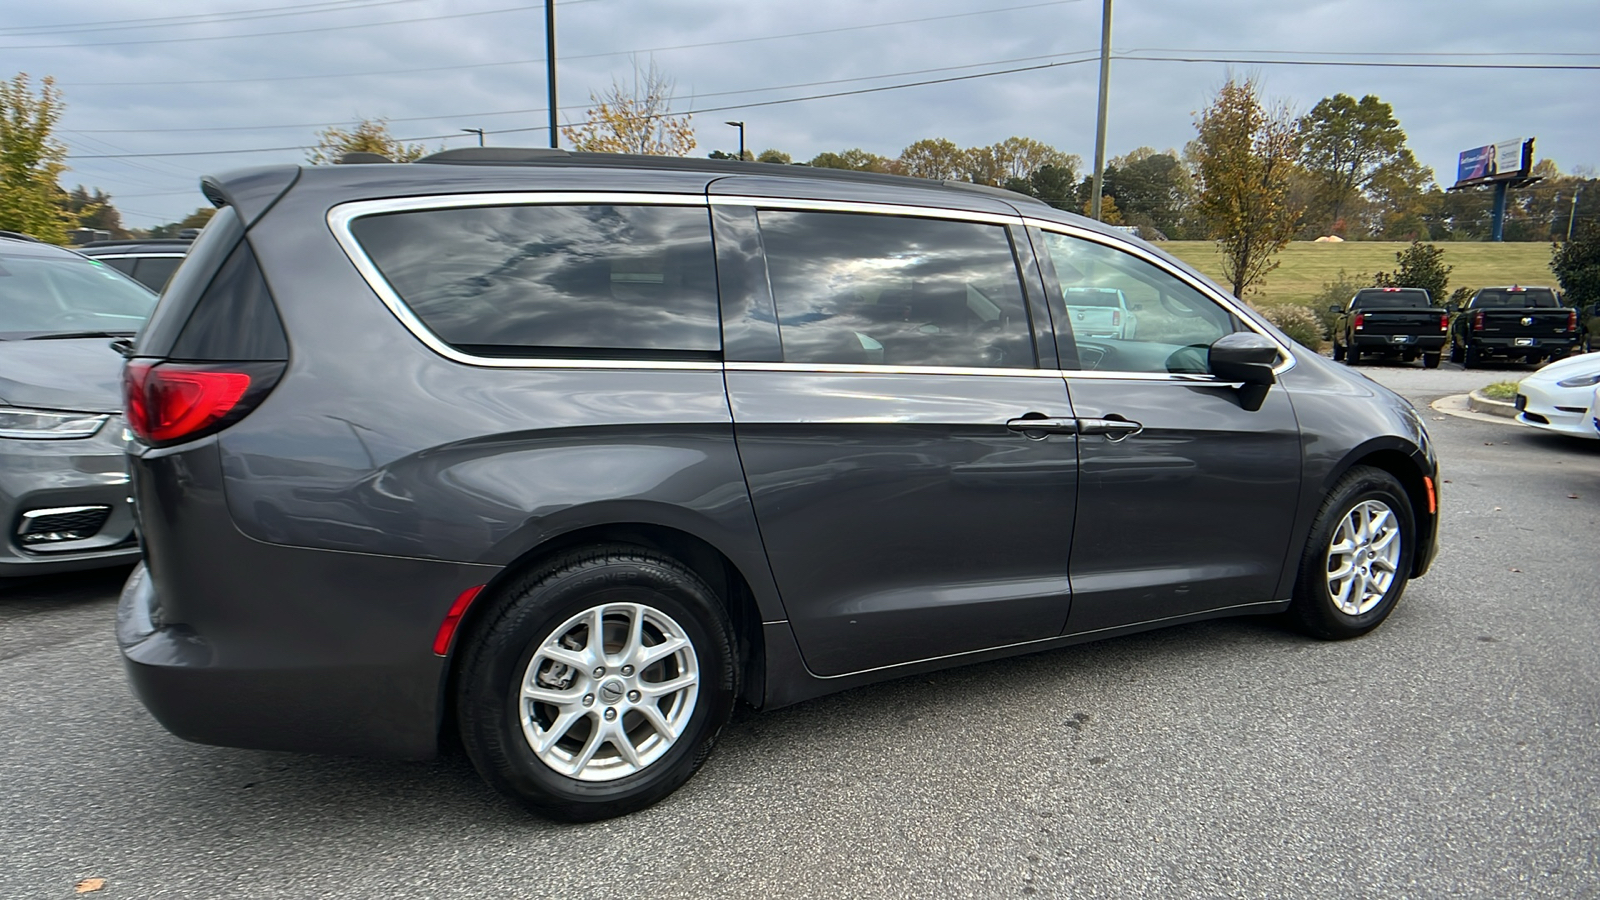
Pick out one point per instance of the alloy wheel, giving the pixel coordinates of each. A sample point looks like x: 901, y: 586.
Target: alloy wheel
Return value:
x: 1363, y: 557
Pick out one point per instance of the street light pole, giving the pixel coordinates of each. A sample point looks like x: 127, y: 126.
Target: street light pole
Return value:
x: 740, y: 126
x: 1573, y: 216
x: 550, y: 66
x: 1100, y: 127
x: 476, y: 131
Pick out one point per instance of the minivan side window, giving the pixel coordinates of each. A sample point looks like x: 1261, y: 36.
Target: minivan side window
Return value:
x: 855, y: 288
x: 1166, y: 328
x: 589, y: 281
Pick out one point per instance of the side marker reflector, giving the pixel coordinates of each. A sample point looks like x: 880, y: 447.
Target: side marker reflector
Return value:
x: 1433, y: 500
x: 447, y: 628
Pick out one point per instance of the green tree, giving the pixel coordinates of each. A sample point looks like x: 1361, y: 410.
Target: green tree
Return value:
x: 856, y: 160
x: 94, y: 210
x: 936, y: 159
x: 1013, y: 158
x: 369, y: 136
x: 1577, y: 265
x: 31, y: 161
x: 634, y: 118
x: 1152, y: 189
x: 1244, y: 155
x: 773, y: 155
x: 1421, y: 266
x: 1347, y: 144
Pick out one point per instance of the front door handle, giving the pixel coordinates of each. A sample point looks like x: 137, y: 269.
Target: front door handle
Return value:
x: 1038, y: 427
x: 1115, y: 428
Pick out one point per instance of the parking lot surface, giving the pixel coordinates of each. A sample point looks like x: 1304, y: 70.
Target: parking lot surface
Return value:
x: 1455, y: 752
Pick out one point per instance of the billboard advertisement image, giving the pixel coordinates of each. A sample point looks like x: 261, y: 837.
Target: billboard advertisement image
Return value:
x: 1508, y: 158
x: 1474, y: 164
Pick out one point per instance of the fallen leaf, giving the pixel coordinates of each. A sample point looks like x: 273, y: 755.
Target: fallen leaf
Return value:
x: 1497, y: 509
x: 1515, y: 569
x: 1572, y: 496
x: 1446, y: 480
x: 90, y: 884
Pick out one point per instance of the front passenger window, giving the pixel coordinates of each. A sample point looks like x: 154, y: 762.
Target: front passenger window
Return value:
x: 1128, y: 315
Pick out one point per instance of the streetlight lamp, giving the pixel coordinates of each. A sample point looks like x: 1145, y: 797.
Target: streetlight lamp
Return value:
x: 476, y: 131
x: 740, y: 126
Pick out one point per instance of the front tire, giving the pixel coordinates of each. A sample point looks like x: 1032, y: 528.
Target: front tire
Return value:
x: 1352, y: 355
x: 597, y: 684
x: 1357, y: 559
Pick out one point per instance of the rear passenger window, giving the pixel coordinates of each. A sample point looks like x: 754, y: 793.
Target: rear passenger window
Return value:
x: 895, y: 290
x: 603, y: 281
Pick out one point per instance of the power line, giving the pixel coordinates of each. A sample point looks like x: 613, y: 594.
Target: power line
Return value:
x: 1361, y: 64
x: 243, y: 15
x: 541, y: 61
x: 514, y: 112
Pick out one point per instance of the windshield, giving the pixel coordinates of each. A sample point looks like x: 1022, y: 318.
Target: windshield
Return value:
x: 1398, y: 298
x: 1524, y: 298
x: 41, y: 295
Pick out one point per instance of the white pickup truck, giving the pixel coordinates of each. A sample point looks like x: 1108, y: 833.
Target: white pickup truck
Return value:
x: 1097, y: 312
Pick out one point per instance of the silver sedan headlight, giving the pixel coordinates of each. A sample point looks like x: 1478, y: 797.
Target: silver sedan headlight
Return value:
x: 48, y: 425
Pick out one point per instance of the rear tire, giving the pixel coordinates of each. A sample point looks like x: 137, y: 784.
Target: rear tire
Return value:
x: 1470, y: 358
x: 1455, y: 352
x: 1430, y: 360
x: 1352, y: 355
x: 597, y: 684
x: 1338, y: 352
x: 1357, y: 558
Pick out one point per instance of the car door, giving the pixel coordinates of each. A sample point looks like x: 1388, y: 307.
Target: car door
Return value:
x: 911, y: 463
x: 1186, y: 494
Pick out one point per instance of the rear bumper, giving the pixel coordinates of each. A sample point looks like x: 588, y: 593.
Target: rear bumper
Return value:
x: 1511, y: 346
x: 1387, y: 343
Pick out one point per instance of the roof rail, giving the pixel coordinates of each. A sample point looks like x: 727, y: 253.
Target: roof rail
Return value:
x: 131, y: 241
x: 20, y: 236
x: 528, y: 156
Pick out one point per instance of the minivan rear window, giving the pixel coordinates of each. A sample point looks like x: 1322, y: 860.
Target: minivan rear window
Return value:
x: 585, y: 281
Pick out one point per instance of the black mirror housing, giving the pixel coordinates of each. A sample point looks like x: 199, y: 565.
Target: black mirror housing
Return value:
x: 1245, y: 357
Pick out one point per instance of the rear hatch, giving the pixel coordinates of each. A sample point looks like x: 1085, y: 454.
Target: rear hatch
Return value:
x: 1391, y: 312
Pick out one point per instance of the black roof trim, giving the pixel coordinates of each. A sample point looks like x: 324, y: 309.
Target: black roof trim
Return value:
x: 19, y: 236
x: 133, y: 241
x: 531, y: 156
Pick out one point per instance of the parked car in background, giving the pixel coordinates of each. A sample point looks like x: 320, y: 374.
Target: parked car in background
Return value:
x: 63, y: 475
x: 1390, y: 323
x: 150, y: 262
x: 1514, y: 323
x: 574, y: 450
x: 1101, y: 313
x: 1561, y: 397
x: 1589, y: 317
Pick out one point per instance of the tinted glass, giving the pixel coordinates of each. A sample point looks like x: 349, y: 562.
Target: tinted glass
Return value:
x: 1400, y: 298
x: 895, y: 290
x: 123, y: 264
x: 235, y: 319
x: 1530, y: 298
x: 1166, y: 327
x: 624, y: 281
x: 49, y: 294
x: 155, y: 271
x: 1081, y: 296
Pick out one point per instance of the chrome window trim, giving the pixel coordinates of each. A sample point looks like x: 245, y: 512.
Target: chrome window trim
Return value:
x: 1225, y: 301
x: 342, y: 216
x: 869, y: 369
x: 878, y: 209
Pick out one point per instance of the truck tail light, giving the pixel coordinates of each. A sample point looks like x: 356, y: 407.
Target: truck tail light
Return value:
x: 1572, y: 320
x: 1444, y: 321
x: 1477, y: 320
x: 172, y: 402
x: 1360, y: 321
x: 1116, y: 317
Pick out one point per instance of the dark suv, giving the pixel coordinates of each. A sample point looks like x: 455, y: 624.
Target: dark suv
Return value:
x: 571, y: 452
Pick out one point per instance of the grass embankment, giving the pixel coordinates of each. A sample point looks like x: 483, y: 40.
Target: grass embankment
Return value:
x: 1304, y: 266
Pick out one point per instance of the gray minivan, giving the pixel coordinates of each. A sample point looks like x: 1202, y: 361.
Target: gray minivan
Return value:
x: 571, y: 452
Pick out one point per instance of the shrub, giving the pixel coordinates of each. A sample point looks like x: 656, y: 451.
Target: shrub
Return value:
x: 1297, y: 322
x: 1501, y: 390
x: 1421, y: 266
x: 1461, y: 295
x: 1335, y: 293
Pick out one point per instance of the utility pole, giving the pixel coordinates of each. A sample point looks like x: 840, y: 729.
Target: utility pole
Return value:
x: 1100, y: 127
x: 1573, y: 216
x: 550, y: 66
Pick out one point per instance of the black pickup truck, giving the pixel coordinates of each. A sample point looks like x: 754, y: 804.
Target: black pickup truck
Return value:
x: 1390, y: 322
x: 1522, y: 323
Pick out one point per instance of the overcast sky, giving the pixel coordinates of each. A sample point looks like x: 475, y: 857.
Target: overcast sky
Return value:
x: 146, y: 83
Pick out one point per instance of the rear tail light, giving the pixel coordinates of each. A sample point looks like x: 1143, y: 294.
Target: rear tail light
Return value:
x: 1572, y: 320
x: 1477, y: 320
x: 1444, y: 321
x: 1116, y: 317
x: 172, y: 402
x: 1361, y: 320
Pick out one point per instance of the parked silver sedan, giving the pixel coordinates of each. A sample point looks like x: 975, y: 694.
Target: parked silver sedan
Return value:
x: 63, y: 481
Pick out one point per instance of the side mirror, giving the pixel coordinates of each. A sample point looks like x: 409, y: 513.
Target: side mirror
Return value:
x: 1248, y: 358
x: 1452, y: 307
x: 1335, y: 308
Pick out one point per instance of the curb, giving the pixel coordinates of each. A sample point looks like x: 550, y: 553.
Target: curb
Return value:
x: 1478, y: 402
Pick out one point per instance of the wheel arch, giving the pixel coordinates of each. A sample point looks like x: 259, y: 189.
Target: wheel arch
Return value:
x: 708, y: 562
x: 1409, y: 465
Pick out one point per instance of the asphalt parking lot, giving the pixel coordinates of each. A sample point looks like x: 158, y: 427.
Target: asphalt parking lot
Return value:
x: 1455, y: 752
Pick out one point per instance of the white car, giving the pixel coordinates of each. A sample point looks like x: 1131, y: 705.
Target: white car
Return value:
x: 1099, y: 312
x: 1562, y: 397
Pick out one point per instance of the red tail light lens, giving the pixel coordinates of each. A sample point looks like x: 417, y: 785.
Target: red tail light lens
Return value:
x: 1361, y: 320
x: 1116, y: 317
x: 1444, y: 321
x: 1477, y: 320
x: 172, y: 402
x: 1572, y: 320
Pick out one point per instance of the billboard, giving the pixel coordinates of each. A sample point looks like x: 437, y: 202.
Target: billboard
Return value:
x: 1500, y: 161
